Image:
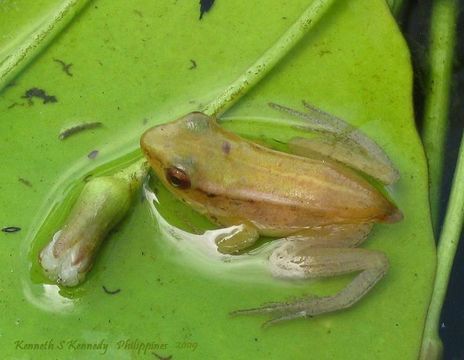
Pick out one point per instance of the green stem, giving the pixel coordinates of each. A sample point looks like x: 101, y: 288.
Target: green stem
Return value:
x: 442, y: 42
x: 13, y: 62
x: 269, y: 59
x: 449, y: 239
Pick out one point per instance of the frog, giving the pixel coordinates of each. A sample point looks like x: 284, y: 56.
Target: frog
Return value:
x: 322, y: 208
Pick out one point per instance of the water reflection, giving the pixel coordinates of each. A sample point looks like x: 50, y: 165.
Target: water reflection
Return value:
x: 47, y: 297
x: 200, y: 250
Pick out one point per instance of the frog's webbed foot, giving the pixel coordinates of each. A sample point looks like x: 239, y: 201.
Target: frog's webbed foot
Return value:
x: 280, y: 311
x: 279, y: 315
x: 295, y: 259
x: 323, y: 263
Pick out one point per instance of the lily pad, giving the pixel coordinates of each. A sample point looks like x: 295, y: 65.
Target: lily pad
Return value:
x: 140, y: 63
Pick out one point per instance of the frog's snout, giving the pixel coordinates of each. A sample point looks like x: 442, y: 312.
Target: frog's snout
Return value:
x: 151, y: 140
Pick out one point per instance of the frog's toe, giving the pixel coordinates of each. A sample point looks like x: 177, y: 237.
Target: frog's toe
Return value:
x: 268, y: 309
x: 274, y: 308
x: 282, y: 312
x: 292, y: 316
x: 252, y: 311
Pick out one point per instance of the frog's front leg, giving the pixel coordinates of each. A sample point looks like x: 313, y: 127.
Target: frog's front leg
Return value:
x: 243, y: 238
x: 307, y: 259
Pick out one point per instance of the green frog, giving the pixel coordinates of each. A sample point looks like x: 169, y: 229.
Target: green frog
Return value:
x: 322, y: 207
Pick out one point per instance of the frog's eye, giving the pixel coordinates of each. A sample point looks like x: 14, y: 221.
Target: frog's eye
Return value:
x: 178, y: 178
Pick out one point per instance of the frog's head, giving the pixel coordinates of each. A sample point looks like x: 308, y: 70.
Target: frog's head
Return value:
x: 172, y: 148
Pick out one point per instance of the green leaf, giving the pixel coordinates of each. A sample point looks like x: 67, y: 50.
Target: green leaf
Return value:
x: 133, y: 61
x: 436, y: 116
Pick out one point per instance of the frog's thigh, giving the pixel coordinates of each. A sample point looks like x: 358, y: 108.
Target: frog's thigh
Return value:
x: 337, y: 235
x: 294, y: 261
x: 239, y: 240
x: 290, y: 261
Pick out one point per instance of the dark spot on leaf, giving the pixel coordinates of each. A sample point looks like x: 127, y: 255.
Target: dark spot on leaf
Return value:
x: 25, y: 182
x: 194, y: 64
x: 15, y: 104
x: 324, y: 52
x: 78, y: 128
x: 205, y: 6
x: 65, y: 67
x: 93, y: 154
x: 278, y: 141
x: 110, y: 292
x: 40, y: 94
x: 11, y: 229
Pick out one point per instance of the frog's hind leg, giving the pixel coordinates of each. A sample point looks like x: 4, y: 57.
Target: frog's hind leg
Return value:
x: 297, y: 259
x: 329, y: 236
x: 338, y: 140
